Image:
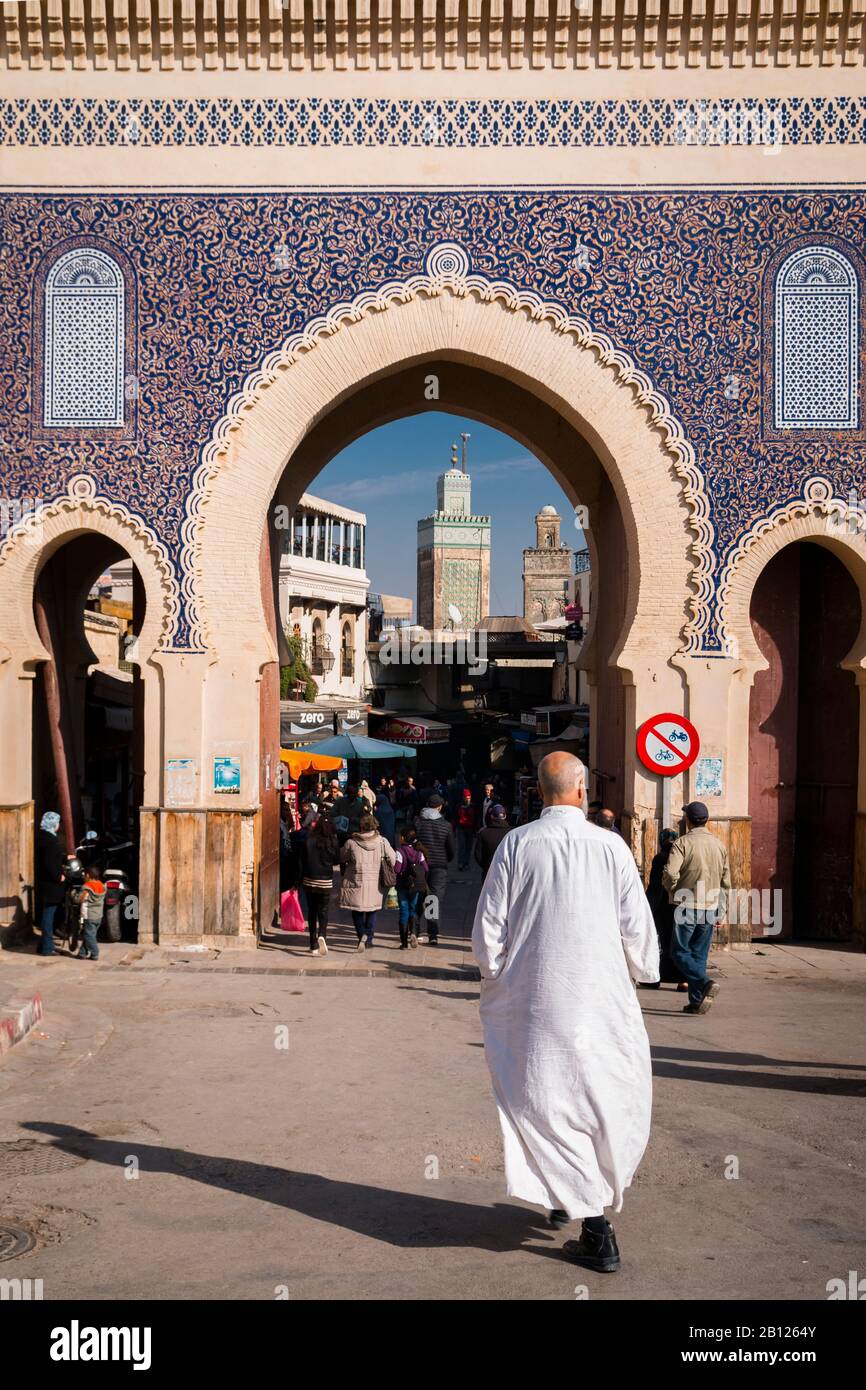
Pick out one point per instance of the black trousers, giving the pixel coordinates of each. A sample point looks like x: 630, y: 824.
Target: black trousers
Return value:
x: 437, y: 882
x: 318, y: 906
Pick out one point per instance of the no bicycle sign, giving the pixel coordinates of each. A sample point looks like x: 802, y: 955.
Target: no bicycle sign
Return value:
x: 667, y: 744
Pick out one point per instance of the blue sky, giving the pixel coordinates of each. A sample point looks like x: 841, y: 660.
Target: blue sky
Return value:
x: 390, y: 474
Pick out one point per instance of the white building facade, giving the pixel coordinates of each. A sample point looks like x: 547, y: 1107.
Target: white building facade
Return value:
x: 323, y: 594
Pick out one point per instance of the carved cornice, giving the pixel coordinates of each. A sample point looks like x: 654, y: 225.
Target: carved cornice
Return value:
x: 357, y: 35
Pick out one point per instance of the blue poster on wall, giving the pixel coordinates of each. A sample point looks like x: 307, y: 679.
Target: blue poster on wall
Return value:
x: 227, y: 776
x: 710, y: 777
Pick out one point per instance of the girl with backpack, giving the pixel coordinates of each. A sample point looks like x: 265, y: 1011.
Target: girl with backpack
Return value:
x: 411, y: 885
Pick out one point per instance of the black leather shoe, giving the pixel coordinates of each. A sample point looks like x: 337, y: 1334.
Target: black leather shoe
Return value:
x: 558, y: 1218
x: 595, y: 1250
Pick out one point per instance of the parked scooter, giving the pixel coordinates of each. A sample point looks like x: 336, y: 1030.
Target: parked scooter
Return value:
x: 70, y: 927
x: 117, y: 886
x: 93, y: 858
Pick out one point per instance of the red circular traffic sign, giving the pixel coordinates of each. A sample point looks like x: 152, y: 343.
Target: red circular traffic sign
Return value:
x: 667, y: 744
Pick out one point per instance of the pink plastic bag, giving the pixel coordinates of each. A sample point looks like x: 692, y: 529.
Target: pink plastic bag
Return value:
x: 291, y: 916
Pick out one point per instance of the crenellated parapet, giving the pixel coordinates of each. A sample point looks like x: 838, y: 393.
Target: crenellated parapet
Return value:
x: 359, y: 35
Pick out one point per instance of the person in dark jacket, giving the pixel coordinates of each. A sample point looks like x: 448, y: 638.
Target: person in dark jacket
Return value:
x: 436, y: 839
x: 663, y: 913
x: 407, y: 801
x: 488, y: 801
x: 488, y: 840
x: 385, y: 817
x: 466, y: 822
x: 349, y: 809
x: 454, y: 795
x: 50, y: 878
x: 319, y: 853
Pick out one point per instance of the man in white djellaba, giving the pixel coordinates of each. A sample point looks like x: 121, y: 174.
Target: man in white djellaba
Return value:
x: 562, y: 928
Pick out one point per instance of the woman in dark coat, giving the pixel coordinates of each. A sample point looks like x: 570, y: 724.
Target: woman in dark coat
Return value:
x: 490, y: 837
x: 663, y: 912
x: 50, y: 878
x: 386, y: 818
x: 319, y: 853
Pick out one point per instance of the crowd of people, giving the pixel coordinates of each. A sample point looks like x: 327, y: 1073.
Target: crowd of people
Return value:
x: 400, y: 837
x: 398, y: 842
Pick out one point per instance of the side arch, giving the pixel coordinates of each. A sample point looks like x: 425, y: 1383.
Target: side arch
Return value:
x: 816, y: 516
x: 28, y: 548
x: 819, y: 518
x: 36, y: 538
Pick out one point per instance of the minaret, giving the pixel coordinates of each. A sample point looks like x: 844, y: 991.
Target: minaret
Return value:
x: 547, y: 569
x: 453, y: 552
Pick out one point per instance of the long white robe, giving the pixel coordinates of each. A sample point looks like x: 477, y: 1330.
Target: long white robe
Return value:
x: 561, y: 929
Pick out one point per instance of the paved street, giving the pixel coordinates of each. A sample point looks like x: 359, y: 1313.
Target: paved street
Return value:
x: 363, y: 1160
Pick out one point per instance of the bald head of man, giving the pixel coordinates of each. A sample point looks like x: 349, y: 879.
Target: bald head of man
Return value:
x: 562, y: 780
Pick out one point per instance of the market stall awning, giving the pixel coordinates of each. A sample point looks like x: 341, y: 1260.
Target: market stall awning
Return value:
x: 414, y: 728
x: 301, y: 760
x: 349, y: 746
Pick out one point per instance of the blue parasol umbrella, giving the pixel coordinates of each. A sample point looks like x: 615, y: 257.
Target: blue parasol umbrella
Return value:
x: 359, y: 746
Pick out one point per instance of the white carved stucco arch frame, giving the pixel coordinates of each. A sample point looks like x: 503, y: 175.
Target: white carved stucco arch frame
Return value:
x: 818, y: 515
x: 32, y: 542
x: 513, y: 333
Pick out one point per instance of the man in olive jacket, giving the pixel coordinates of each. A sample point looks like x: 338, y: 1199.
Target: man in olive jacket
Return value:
x: 698, y: 879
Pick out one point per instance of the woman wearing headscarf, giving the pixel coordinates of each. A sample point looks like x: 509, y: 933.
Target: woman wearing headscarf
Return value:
x: 386, y: 818
x: 663, y: 913
x: 50, y: 878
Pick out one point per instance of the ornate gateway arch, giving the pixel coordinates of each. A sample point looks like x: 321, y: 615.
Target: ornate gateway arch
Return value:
x: 628, y: 235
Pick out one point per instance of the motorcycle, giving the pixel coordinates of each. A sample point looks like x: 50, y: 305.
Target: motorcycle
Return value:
x: 117, y: 885
x: 69, y: 928
x: 93, y: 858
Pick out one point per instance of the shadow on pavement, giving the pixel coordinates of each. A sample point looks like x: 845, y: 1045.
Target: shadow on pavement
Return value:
x: 748, y: 1059
x: 816, y: 1085
x: 399, y: 1218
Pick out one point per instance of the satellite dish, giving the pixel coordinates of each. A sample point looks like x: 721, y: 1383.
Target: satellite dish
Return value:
x: 455, y: 615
